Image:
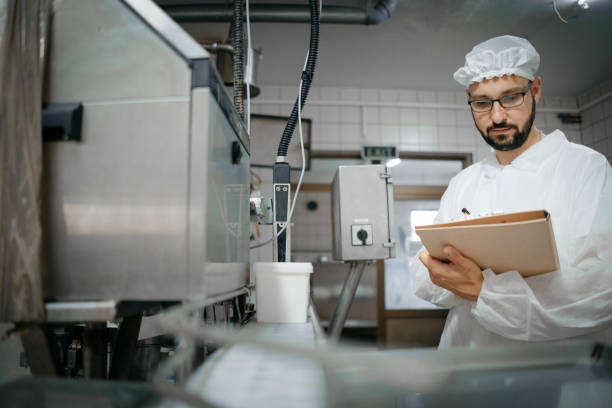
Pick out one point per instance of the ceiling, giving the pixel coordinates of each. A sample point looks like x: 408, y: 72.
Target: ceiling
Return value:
x: 425, y: 41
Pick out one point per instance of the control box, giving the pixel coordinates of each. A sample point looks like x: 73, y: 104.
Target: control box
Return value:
x: 362, y: 213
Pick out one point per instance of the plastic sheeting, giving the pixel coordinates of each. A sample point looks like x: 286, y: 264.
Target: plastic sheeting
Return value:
x: 23, y: 25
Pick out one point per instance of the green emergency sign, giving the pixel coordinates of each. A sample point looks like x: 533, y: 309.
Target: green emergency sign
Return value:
x: 378, y: 152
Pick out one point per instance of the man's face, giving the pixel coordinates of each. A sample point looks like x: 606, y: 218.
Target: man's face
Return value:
x: 505, y: 128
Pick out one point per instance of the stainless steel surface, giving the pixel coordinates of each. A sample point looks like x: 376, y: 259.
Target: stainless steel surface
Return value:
x: 167, y: 28
x: 218, y: 203
x: 345, y: 301
x: 362, y: 196
x: 116, y: 204
x: 148, y: 206
x: 101, y: 51
x: 250, y: 76
x: 64, y: 312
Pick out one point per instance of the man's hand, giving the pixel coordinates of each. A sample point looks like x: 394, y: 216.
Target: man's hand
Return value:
x: 461, y: 276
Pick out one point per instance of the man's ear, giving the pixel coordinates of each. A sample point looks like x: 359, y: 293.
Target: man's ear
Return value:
x: 536, y: 89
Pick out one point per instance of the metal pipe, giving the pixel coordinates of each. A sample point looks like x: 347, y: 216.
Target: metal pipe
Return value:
x: 271, y: 13
x: 381, y: 11
x: 316, y: 322
x: 345, y: 301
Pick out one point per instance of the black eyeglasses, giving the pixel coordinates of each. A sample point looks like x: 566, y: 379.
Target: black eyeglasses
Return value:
x: 506, y: 101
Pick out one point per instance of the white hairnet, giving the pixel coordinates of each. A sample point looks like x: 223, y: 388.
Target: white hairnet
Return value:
x: 497, y: 57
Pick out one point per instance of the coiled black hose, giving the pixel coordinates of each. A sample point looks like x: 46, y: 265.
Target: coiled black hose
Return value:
x: 315, y: 21
x: 237, y: 35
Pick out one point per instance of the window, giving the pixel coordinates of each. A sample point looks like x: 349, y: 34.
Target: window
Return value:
x: 420, y: 217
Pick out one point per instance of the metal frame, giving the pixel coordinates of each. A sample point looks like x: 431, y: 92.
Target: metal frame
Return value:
x: 465, y: 158
x: 349, y: 288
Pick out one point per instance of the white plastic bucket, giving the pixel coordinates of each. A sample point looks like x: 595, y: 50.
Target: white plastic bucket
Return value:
x: 282, y: 291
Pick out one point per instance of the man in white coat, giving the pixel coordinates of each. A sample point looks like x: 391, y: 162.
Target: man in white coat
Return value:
x: 527, y: 170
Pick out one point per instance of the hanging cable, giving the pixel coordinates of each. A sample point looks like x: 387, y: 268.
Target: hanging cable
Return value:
x: 297, y: 190
x: 307, y: 75
x: 298, y: 113
x: 249, y: 68
x: 237, y: 34
x: 557, y: 11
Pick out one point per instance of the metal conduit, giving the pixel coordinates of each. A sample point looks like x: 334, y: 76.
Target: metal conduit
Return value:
x: 271, y: 13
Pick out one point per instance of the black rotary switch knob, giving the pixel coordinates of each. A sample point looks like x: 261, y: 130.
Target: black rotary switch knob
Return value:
x: 362, y: 235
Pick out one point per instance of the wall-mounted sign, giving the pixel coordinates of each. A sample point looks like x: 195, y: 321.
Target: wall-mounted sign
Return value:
x: 381, y: 153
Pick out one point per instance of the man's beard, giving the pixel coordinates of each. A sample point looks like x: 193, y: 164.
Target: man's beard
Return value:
x: 511, y: 142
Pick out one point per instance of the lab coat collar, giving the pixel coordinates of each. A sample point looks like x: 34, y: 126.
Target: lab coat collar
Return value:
x: 531, y: 159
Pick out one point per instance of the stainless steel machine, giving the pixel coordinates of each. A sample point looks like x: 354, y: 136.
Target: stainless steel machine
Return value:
x: 152, y: 203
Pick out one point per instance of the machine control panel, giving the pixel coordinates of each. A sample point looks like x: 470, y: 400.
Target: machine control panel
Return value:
x: 361, y: 234
x: 362, y: 213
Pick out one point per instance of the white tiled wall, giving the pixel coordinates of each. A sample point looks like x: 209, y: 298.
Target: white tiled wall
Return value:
x: 596, y: 124
x: 418, y: 121
x: 414, y: 121
x: 314, y: 231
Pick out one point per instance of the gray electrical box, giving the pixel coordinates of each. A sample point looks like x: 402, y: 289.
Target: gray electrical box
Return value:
x: 362, y: 213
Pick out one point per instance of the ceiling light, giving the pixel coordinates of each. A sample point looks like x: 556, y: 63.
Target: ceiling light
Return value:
x: 393, y: 162
x: 583, y: 4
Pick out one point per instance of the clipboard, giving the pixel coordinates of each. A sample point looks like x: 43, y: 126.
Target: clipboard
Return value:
x: 522, y: 241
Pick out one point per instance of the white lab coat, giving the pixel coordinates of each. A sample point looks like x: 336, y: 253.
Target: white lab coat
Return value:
x: 574, y: 184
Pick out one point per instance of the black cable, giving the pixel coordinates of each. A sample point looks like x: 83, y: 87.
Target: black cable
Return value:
x: 237, y: 35
x: 307, y: 74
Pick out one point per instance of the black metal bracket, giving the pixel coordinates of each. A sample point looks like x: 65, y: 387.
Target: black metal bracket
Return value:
x: 62, y: 122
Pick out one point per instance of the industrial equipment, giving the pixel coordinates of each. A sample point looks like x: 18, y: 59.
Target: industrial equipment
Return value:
x: 152, y: 203
x: 362, y: 228
x: 281, y: 176
x: 362, y: 213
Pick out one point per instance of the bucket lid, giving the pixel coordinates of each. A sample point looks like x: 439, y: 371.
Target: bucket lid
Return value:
x: 282, y: 267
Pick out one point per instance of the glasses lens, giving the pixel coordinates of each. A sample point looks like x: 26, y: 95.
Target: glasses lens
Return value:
x: 481, y: 106
x: 510, y: 101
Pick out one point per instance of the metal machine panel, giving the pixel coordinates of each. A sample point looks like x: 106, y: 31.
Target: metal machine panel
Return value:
x: 101, y: 50
x: 362, y: 211
x: 219, y: 200
x: 167, y: 28
x: 116, y: 203
x: 152, y: 202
